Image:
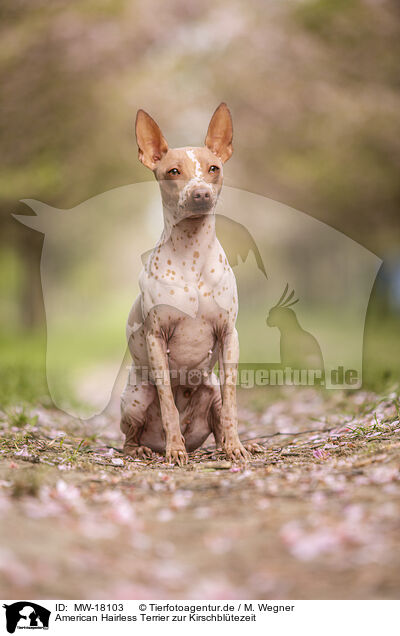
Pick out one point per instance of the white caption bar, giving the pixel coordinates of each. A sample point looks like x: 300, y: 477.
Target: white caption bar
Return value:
x: 153, y: 617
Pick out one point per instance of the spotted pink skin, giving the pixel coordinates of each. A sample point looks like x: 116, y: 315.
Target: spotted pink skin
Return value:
x: 184, y: 317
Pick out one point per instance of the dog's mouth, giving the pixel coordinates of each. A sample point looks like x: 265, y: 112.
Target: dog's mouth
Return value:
x: 196, y: 217
x: 199, y: 210
x: 197, y: 214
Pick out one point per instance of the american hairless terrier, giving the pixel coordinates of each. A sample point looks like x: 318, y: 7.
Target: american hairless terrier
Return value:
x: 184, y: 317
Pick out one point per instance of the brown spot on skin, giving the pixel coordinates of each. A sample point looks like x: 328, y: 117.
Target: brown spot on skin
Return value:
x: 172, y: 291
x: 169, y: 262
x: 196, y: 254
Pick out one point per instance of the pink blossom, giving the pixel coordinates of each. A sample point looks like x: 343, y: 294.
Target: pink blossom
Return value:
x: 319, y: 453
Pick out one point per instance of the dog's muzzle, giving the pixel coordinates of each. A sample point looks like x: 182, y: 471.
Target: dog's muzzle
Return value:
x: 197, y: 196
x: 201, y: 198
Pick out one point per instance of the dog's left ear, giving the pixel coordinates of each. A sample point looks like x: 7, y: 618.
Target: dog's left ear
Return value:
x: 220, y: 133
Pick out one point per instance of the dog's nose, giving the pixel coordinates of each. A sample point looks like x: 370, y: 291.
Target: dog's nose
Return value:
x: 201, y: 195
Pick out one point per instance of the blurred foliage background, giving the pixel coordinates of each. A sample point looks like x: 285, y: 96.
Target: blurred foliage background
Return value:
x: 313, y: 86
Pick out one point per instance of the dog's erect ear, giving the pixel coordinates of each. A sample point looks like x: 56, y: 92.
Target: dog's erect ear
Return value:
x: 220, y: 132
x: 152, y: 145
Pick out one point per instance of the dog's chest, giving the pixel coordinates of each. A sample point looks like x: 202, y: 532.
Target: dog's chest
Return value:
x: 201, y: 289
x: 193, y: 301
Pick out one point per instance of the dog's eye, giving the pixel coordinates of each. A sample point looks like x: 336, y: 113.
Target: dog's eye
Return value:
x: 174, y: 171
x: 213, y: 169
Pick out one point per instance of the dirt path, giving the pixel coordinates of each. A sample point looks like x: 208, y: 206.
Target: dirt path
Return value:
x: 317, y: 515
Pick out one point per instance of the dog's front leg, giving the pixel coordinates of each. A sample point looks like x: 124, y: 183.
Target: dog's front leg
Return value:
x: 229, y: 359
x: 175, y: 451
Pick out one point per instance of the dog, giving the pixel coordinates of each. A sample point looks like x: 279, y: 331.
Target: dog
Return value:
x: 184, y: 318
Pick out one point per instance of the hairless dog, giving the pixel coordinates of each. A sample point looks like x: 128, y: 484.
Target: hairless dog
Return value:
x: 183, y: 321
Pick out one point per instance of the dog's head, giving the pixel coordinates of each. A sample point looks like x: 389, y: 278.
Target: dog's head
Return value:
x: 190, y: 178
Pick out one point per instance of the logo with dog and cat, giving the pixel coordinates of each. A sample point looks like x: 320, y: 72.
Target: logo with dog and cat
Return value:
x: 26, y: 615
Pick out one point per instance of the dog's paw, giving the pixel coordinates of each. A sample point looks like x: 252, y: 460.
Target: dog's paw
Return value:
x: 138, y: 452
x: 253, y: 448
x: 177, y: 455
x: 236, y: 453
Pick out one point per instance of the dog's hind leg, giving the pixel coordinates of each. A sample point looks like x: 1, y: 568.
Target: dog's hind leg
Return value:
x: 215, y: 416
x: 200, y: 416
x: 216, y: 428
x: 135, y: 401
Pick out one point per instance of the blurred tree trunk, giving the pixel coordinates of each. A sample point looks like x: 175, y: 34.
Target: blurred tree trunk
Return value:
x: 28, y: 246
x: 31, y: 297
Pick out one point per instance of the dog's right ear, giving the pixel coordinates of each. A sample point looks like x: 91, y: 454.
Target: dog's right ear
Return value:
x: 150, y: 140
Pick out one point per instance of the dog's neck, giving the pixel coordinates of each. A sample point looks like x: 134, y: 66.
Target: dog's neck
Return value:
x: 189, y: 233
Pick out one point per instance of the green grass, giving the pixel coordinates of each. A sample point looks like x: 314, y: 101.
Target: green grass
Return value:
x: 22, y: 369
x: 381, y: 359
x: 23, y: 359
x: 23, y: 363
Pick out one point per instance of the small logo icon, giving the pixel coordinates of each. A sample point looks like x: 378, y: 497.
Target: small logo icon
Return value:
x: 26, y: 615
